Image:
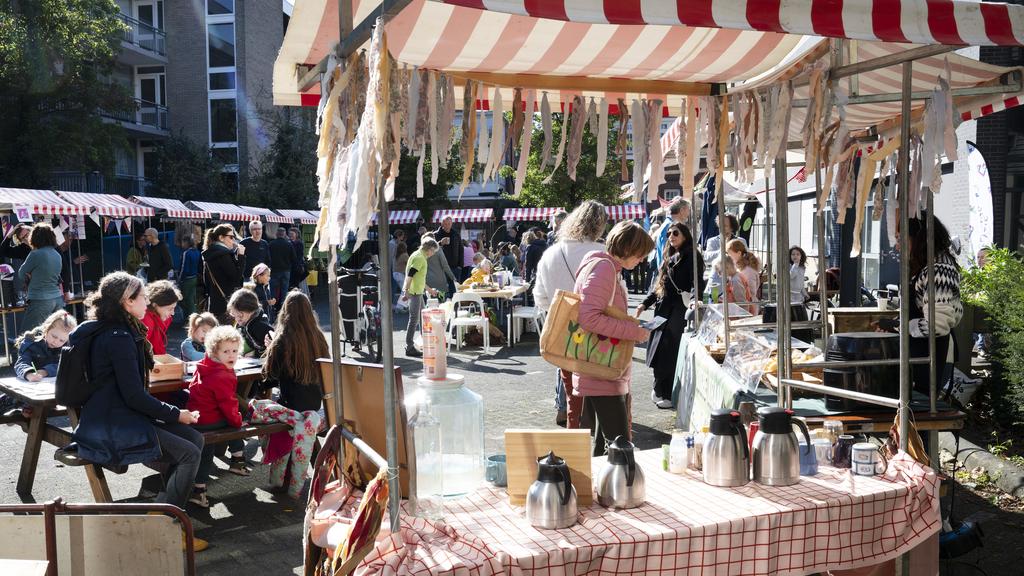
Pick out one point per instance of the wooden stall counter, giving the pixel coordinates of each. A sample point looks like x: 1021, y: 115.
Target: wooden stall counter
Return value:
x: 857, y: 319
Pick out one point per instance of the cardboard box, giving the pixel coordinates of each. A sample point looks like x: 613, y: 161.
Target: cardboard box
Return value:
x: 167, y: 368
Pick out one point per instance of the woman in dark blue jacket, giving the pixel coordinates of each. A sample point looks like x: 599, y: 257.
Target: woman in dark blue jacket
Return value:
x: 121, y: 423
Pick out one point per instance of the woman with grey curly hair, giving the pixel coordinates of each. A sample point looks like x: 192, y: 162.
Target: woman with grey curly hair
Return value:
x: 578, y: 235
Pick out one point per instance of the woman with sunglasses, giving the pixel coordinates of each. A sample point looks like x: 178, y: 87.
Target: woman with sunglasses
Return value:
x: 673, y: 289
x: 224, y: 261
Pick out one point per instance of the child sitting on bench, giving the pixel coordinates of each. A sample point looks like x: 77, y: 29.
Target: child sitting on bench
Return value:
x: 212, y: 395
x: 39, y: 348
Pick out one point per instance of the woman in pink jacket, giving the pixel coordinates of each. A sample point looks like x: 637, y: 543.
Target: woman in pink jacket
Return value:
x: 599, y: 284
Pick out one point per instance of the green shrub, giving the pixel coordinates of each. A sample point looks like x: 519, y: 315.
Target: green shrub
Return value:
x: 998, y: 289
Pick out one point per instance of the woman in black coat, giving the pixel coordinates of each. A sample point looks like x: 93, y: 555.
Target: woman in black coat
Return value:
x: 224, y: 262
x: 674, y: 279
x: 122, y: 423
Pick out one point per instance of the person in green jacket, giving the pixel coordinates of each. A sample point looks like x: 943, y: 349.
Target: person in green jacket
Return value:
x: 136, y: 256
x: 413, y: 289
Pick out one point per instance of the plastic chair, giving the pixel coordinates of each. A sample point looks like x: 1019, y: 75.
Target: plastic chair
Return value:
x: 459, y: 321
x: 531, y: 314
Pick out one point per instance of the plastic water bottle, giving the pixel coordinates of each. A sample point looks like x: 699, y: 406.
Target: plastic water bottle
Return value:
x: 678, y: 454
x: 428, y: 501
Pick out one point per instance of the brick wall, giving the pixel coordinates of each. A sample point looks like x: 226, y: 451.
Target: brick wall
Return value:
x: 259, y: 32
x: 186, y: 69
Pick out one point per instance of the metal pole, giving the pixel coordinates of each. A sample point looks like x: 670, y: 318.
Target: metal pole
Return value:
x: 388, y: 357
x: 783, y: 310
x: 696, y: 266
x: 933, y: 361
x: 822, y: 261
x: 720, y: 195
x: 905, y: 296
x: 768, y: 232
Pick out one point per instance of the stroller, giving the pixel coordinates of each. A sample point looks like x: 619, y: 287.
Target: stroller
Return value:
x: 359, y: 303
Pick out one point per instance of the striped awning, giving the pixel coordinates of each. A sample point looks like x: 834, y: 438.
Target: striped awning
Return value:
x: 625, y: 211
x: 302, y: 216
x: 465, y: 215
x: 224, y: 211
x: 107, y: 204
x: 529, y: 214
x: 400, y: 216
x: 38, y: 201
x: 174, y: 209
x: 268, y: 215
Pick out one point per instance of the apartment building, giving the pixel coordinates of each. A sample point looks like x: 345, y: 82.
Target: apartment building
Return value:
x: 201, y: 68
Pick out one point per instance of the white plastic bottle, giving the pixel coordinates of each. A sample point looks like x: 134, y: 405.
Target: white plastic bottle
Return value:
x: 678, y: 455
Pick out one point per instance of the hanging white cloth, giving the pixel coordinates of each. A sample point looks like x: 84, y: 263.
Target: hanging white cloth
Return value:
x: 497, y: 146
x: 527, y: 139
x: 561, y: 146
x: 545, y: 120
x: 435, y: 152
x: 655, y: 153
x: 602, y: 136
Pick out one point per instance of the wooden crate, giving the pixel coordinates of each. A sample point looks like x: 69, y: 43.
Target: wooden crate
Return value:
x: 167, y: 368
x: 524, y: 446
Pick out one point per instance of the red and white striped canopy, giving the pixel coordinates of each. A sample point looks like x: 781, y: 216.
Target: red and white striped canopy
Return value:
x: 107, y: 204
x: 703, y: 41
x: 400, y: 216
x: 529, y: 214
x: 268, y: 214
x: 39, y: 201
x: 315, y: 214
x: 174, y: 209
x: 625, y: 211
x: 224, y: 211
x: 465, y: 215
x: 302, y: 216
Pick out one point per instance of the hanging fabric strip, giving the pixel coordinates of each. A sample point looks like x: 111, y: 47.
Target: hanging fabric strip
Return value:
x: 545, y: 120
x: 891, y: 209
x: 916, y: 180
x: 690, y: 151
x: 733, y: 147
x: 469, y: 133
x: 561, y: 144
x: 765, y: 111
x: 515, y: 129
x: 639, y: 112
x: 414, y: 109
x: 325, y: 87
x: 579, y: 122
x: 525, y: 142
x: 419, y: 170
x: 602, y: 136
x: 723, y: 137
x: 483, y: 139
x: 713, y: 120
x: 622, y: 141
x: 655, y: 153
x: 680, y: 146
x: 878, y: 202
x: 497, y: 137
x: 434, y: 117
x: 865, y: 177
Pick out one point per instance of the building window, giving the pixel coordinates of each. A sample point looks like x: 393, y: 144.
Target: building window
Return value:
x: 222, y: 45
x: 227, y: 156
x: 222, y: 81
x: 216, y: 7
x: 223, y: 124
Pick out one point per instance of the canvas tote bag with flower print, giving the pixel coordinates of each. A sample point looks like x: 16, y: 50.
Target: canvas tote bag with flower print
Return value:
x: 566, y: 345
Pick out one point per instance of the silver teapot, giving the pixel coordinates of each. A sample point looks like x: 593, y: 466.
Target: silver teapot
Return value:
x: 551, y: 500
x: 776, y: 452
x: 620, y: 484
x: 726, y: 456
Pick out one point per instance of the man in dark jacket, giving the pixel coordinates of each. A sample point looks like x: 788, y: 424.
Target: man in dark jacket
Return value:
x: 448, y: 239
x: 531, y: 256
x: 298, y: 278
x: 159, y: 256
x: 257, y: 250
x: 282, y: 257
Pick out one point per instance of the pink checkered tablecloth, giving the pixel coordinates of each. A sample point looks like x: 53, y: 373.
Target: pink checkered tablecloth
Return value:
x: 830, y: 521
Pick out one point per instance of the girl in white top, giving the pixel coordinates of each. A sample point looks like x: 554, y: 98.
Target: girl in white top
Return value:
x: 749, y: 268
x: 735, y: 287
x: 797, y: 275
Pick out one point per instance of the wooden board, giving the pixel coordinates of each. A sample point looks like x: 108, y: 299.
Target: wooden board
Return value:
x: 857, y: 319
x: 363, y: 396
x: 524, y: 446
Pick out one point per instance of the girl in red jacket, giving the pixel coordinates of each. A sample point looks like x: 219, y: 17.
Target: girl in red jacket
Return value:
x: 212, y: 394
x: 163, y: 299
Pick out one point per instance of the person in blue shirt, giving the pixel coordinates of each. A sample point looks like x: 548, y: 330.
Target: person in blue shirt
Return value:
x: 188, y: 275
x: 42, y: 273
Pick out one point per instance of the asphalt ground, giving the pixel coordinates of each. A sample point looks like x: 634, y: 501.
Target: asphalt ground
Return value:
x: 253, y: 531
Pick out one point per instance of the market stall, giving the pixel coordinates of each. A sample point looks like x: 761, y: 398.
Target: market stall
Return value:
x: 268, y: 215
x: 225, y: 212
x: 742, y: 83
x: 111, y: 213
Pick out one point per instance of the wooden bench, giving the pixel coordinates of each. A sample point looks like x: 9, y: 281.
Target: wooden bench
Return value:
x: 98, y: 482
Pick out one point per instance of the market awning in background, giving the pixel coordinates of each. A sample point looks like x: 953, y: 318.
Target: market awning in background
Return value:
x: 107, y: 204
x: 38, y: 201
x: 174, y: 209
x: 225, y: 211
x: 465, y: 215
x: 302, y: 216
x: 530, y: 214
x: 625, y: 211
x: 400, y: 217
x: 268, y: 215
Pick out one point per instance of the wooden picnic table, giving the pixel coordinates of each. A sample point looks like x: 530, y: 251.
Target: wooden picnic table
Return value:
x: 40, y: 396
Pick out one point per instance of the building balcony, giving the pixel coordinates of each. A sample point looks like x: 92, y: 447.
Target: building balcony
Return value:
x: 142, y: 44
x: 148, y: 120
x: 121, y: 184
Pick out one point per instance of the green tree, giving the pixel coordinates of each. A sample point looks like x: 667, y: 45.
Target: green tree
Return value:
x: 56, y: 58
x: 186, y: 170
x: 563, y: 191
x: 284, y: 176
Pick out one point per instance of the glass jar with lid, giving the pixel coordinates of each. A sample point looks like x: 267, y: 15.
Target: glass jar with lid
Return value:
x: 460, y: 412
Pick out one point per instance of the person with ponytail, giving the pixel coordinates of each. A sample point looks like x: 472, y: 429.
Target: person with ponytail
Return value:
x: 749, y: 268
x: 122, y: 423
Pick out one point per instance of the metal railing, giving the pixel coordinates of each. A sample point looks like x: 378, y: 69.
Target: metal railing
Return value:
x: 145, y: 114
x: 144, y: 35
x: 122, y: 185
